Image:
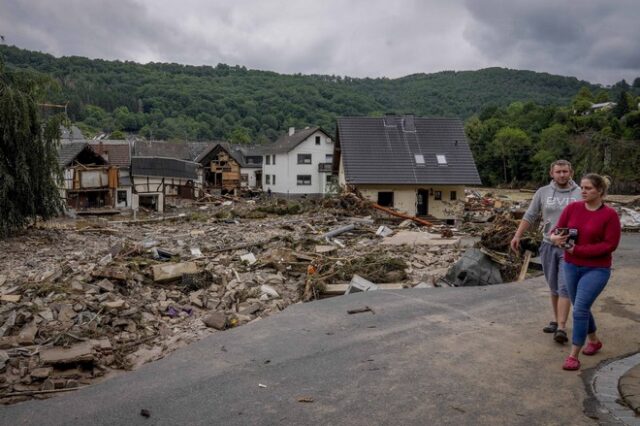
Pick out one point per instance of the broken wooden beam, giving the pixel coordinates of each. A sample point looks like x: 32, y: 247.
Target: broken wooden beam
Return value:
x: 525, y: 266
x: 402, y: 215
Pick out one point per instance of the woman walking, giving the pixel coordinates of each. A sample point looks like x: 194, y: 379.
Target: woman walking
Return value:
x: 589, y: 231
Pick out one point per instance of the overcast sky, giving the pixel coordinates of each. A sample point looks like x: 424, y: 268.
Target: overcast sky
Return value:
x: 594, y: 40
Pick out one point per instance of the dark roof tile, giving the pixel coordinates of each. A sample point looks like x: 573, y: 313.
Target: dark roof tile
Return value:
x: 163, y: 167
x: 382, y: 151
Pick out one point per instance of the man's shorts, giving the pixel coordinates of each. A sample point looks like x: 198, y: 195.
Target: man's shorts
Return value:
x: 552, y: 259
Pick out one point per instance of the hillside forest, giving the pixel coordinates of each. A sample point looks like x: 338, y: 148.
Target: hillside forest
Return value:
x: 517, y: 121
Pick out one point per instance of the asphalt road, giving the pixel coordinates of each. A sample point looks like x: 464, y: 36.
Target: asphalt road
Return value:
x: 425, y: 356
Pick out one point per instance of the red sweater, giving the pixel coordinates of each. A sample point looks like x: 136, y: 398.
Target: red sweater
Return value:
x: 598, y: 234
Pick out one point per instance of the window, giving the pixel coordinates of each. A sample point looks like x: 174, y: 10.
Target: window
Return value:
x: 274, y: 160
x: 273, y: 179
x: 442, y: 159
x: 328, y: 158
x: 317, y: 140
x: 122, y: 197
x: 304, y: 180
x: 437, y: 195
x: 304, y: 158
x: 244, y: 178
x: 267, y: 159
x: 453, y: 196
x: 419, y: 158
x: 267, y: 179
x: 385, y: 199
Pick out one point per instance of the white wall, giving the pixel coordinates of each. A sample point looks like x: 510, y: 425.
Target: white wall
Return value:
x: 287, y: 168
x: 251, y: 175
x: 128, y: 202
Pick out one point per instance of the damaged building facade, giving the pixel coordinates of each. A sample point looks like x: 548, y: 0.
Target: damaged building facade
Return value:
x: 228, y: 168
x: 416, y: 165
x: 89, y: 182
x: 156, y: 179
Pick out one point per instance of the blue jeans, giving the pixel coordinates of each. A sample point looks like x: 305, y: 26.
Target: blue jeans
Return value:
x: 584, y: 284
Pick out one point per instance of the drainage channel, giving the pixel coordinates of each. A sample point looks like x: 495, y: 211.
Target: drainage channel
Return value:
x: 604, y: 386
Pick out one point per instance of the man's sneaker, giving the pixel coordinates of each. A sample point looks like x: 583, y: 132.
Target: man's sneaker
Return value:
x: 592, y: 348
x: 551, y: 328
x: 571, y: 364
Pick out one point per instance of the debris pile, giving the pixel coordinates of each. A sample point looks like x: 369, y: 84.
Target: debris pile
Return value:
x: 79, y: 299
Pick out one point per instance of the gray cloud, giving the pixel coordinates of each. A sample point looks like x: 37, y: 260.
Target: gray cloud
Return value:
x: 595, y: 41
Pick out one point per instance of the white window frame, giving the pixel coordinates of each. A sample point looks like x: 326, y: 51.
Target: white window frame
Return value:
x: 305, y: 158
x: 441, y: 159
x: 302, y: 182
x: 419, y: 158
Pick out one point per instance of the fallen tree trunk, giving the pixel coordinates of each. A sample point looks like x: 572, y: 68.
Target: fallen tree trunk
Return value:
x: 402, y: 215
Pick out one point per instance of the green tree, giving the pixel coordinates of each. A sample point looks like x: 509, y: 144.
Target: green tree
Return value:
x: 582, y: 101
x: 624, y: 105
x: 118, y: 135
x: 28, y: 155
x: 509, y: 145
x: 553, y: 145
x: 240, y: 135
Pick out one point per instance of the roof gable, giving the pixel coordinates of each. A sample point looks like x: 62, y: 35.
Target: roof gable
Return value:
x: 77, y: 151
x: 404, y: 150
x: 287, y: 142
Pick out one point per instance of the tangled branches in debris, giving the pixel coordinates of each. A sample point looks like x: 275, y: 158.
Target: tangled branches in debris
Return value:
x: 495, y: 241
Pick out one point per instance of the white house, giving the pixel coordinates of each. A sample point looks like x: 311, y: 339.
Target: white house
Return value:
x: 299, y: 163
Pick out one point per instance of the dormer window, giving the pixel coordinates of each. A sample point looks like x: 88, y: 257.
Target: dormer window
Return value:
x: 419, y: 158
x: 441, y: 159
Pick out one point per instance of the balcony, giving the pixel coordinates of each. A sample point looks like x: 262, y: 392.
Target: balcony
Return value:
x: 325, y: 167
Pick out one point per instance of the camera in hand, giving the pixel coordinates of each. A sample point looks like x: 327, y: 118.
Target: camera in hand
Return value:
x: 572, y: 236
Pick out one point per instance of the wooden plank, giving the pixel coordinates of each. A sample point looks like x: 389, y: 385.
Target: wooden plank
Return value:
x: 525, y: 266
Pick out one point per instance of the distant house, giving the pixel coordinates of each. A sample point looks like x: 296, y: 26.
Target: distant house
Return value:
x: 117, y: 153
x: 416, y: 165
x: 602, y: 106
x: 155, y: 179
x: 299, y: 163
x: 229, y: 167
x: 89, y: 182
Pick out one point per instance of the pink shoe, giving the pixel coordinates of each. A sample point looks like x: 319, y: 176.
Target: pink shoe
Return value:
x: 571, y: 364
x: 592, y: 348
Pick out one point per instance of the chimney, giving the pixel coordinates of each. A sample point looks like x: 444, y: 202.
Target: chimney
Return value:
x: 292, y: 130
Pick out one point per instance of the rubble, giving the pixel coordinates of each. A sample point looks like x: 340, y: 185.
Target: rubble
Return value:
x: 77, y: 303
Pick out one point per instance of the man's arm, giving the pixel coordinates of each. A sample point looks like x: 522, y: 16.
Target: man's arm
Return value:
x: 515, y: 241
x: 531, y: 215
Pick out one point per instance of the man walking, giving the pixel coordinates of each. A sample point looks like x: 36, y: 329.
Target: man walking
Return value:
x: 549, y: 201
